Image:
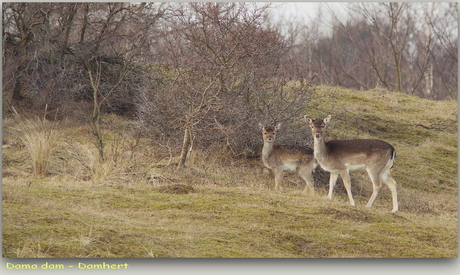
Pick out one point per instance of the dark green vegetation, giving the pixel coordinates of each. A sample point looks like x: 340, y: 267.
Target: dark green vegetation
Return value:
x: 132, y: 205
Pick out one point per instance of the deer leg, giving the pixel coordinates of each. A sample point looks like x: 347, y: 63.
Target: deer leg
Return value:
x: 306, y: 175
x: 391, y: 183
x: 278, y: 179
x: 346, y: 181
x: 376, y: 183
x: 332, y: 181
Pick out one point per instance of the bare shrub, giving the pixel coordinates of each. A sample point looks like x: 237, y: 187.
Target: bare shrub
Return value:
x: 219, y: 76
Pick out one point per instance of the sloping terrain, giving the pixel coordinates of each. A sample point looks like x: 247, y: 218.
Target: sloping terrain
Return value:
x: 135, y: 205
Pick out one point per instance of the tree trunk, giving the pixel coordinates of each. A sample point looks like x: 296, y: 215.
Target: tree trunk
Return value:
x: 185, y: 148
x: 95, y: 119
x: 96, y: 116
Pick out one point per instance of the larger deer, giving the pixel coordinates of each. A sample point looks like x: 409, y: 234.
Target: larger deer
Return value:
x: 342, y: 156
x: 287, y: 158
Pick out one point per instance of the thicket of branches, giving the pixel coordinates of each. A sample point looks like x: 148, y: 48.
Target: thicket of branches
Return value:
x: 221, y: 76
x: 51, y: 51
x: 201, y: 74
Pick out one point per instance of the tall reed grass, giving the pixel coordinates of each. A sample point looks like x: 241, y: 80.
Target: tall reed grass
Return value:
x: 39, y: 137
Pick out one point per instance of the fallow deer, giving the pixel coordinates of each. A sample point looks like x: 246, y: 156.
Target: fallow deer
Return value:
x: 287, y: 158
x: 339, y: 157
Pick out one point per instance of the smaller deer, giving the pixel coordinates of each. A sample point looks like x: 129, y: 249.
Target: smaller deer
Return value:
x: 287, y: 158
x: 342, y: 156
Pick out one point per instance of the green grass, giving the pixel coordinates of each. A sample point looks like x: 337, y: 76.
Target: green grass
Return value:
x: 139, y: 208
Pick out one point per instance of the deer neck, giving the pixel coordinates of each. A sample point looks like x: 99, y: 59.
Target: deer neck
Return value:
x: 266, y: 152
x: 320, y: 149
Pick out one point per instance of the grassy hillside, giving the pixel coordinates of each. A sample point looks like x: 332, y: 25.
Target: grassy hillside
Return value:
x: 132, y: 205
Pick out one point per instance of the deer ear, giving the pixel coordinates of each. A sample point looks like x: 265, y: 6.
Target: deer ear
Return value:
x: 261, y: 126
x: 327, y: 119
x: 308, y: 120
x: 278, y: 126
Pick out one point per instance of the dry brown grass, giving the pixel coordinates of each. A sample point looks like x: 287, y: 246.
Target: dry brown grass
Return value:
x: 40, y: 137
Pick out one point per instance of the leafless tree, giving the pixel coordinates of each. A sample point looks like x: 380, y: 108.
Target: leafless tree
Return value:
x: 443, y: 29
x: 407, y: 47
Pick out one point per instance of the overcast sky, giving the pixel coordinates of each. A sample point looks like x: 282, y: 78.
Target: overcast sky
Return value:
x: 304, y: 12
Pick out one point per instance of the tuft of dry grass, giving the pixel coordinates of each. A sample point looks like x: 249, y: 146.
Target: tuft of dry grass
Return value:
x: 124, y: 162
x: 40, y: 137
